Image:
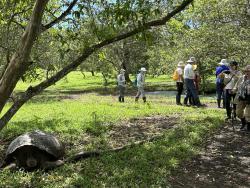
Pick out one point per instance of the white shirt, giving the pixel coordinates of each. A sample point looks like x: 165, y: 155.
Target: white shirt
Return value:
x: 121, y: 80
x: 188, y: 72
x: 232, y: 79
x: 180, y: 72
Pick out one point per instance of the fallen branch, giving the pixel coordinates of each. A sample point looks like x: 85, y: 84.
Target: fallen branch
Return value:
x: 84, y: 155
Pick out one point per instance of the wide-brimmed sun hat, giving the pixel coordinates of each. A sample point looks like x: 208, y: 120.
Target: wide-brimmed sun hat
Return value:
x: 247, y: 68
x: 190, y: 61
x: 122, y: 70
x: 143, y: 69
x: 181, y: 64
x: 223, y: 62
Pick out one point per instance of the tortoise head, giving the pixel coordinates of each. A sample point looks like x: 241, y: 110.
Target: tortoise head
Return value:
x: 31, y: 162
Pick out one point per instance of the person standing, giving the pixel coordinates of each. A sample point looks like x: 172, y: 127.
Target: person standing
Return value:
x: 242, y: 99
x: 179, y: 82
x: 230, y: 81
x: 197, y: 80
x: 223, y: 66
x: 121, y: 85
x: 140, y: 85
x: 189, y: 75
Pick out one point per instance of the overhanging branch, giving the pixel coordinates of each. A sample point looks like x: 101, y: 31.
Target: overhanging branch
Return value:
x: 61, y: 17
x: 32, y: 91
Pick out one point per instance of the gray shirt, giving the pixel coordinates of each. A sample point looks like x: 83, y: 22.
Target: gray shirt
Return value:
x: 121, y: 80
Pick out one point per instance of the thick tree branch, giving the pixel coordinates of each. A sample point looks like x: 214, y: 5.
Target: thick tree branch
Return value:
x: 32, y: 91
x: 20, y: 25
x: 146, y: 26
x: 85, y: 154
x: 61, y: 17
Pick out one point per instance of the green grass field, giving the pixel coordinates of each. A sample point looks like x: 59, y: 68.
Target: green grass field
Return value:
x: 84, y: 122
x: 76, y: 81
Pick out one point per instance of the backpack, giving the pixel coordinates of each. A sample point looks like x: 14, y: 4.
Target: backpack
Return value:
x: 175, y: 75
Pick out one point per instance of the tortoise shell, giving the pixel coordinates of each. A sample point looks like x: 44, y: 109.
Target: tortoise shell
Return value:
x: 43, y: 141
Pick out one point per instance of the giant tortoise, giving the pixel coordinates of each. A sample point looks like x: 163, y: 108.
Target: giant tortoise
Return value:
x: 34, y: 150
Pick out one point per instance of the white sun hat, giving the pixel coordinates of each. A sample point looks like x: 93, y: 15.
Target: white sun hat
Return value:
x: 190, y: 61
x: 223, y: 62
x: 143, y: 69
x: 181, y: 64
x: 193, y: 59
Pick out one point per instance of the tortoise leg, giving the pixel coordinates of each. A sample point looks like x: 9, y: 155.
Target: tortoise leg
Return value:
x: 11, y: 166
x: 52, y: 164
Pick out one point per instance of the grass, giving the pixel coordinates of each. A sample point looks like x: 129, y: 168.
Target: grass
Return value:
x: 73, y: 81
x: 76, y: 81
x: 91, y: 117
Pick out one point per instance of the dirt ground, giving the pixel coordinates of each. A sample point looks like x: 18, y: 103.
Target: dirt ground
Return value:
x: 140, y: 129
x: 225, y: 162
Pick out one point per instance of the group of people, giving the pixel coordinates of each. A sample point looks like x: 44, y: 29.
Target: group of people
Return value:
x: 233, y: 88
x: 140, y: 83
x: 188, y: 75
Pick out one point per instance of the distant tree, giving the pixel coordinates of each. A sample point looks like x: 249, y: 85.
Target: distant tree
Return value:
x: 212, y: 30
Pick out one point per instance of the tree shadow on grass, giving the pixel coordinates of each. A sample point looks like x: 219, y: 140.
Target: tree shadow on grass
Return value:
x: 143, y: 165
x: 224, y: 163
x: 139, y: 165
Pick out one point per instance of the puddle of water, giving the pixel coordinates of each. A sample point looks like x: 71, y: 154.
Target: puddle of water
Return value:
x: 173, y: 93
x: 165, y: 93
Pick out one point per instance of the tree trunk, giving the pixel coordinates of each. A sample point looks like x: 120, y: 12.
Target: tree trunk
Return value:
x: 126, y: 73
x: 92, y: 73
x: 105, y: 80
x: 19, y: 62
x: 125, y: 61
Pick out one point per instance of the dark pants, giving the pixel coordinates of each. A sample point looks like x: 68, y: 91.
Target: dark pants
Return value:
x: 179, y: 86
x: 121, y: 91
x: 228, y: 98
x: 220, y: 94
x: 191, y: 92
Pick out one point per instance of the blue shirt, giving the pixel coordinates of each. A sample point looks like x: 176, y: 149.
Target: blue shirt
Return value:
x: 221, y: 68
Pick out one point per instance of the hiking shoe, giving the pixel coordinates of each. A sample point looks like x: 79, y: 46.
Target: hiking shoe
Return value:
x: 242, y: 129
x: 245, y: 130
x: 201, y: 105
